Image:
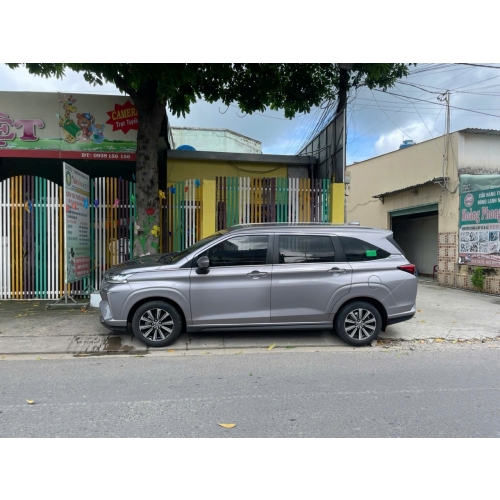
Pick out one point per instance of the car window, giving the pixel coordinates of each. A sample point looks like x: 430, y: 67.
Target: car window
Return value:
x: 294, y: 249
x: 171, y: 259
x: 358, y: 250
x: 239, y: 251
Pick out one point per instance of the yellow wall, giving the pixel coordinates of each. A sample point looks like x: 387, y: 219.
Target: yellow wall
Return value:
x: 180, y: 170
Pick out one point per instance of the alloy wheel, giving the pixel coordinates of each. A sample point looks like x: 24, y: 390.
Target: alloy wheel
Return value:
x: 156, y: 324
x: 360, y: 324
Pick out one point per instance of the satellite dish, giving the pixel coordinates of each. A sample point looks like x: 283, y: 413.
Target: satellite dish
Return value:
x: 186, y: 147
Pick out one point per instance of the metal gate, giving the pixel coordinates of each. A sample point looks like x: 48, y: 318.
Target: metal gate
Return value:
x: 243, y: 200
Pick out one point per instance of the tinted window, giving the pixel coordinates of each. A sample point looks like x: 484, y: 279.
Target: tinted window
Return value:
x: 358, y: 250
x: 301, y: 249
x: 393, y: 241
x: 239, y: 251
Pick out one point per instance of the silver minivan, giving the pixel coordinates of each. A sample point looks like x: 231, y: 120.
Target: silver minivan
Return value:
x: 353, y: 279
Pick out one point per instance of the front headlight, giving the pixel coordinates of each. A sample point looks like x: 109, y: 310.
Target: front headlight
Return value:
x: 117, y: 278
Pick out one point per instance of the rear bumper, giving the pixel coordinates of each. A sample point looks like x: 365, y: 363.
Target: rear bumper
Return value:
x: 400, y: 319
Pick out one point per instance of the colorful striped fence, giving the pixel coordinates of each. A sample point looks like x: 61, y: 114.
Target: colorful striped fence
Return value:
x: 32, y: 235
x: 32, y: 223
x: 242, y: 200
x: 181, y: 215
x: 31, y: 228
x: 112, y: 216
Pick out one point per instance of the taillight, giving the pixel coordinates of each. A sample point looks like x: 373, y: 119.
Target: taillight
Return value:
x: 407, y: 268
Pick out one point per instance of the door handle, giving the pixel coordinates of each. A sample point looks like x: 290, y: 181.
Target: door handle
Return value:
x: 336, y: 270
x: 256, y: 274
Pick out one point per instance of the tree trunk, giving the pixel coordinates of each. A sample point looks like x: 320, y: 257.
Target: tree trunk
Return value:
x: 147, y: 217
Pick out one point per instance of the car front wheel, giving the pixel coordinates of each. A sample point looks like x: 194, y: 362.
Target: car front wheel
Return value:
x: 157, y: 323
x: 358, y: 323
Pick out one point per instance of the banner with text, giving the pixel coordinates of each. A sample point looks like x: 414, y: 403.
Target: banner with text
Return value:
x: 76, y: 223
x: 78, y: 126
x: 479, y: 223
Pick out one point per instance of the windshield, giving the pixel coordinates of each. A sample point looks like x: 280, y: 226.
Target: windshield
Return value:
x: 179, y: 256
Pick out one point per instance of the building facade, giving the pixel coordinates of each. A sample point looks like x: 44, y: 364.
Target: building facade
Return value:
x: 419, y: 193
x: 214, y: 139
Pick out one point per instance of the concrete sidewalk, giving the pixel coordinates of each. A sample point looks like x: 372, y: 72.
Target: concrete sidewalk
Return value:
x: 26, y: 327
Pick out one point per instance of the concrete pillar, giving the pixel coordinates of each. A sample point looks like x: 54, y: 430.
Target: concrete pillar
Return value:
x: 337, y: 197
x: 208, y: 208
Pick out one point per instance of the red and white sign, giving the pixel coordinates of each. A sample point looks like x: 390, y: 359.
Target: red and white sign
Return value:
x: 124, y: 118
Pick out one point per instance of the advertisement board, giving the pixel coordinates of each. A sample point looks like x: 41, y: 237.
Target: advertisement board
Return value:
x: 479, y: 220
x: 76, y: 224
x: 68, y: 126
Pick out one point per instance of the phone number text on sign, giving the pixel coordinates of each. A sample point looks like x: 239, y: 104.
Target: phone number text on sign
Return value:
x: 108, y: 156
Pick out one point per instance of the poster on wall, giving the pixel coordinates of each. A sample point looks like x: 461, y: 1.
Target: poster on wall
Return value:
x: 68, y: 126
x: 479, y: 220
x: 76, y: 223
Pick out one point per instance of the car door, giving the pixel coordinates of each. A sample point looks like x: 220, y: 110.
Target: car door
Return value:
x: 307, y: 279
x: 236, y: 290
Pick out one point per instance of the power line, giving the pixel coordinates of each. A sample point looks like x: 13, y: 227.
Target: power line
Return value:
x: 439, y: 104
x: 480, y: 65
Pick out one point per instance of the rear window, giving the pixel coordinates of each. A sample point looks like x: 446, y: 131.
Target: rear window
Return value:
x: 305, y: 249
x: 359, y: 251
x: 393, y: 242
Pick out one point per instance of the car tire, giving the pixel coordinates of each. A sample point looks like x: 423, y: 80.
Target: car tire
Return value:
x: 157, y: 323
x: 358, y: 323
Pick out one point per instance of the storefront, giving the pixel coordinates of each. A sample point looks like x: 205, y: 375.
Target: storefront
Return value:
x: 96, y: 134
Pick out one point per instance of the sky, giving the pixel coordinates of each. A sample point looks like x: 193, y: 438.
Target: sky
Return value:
x: 377, y: 121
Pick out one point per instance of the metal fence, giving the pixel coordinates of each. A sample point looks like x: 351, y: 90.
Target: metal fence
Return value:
x: 32, y: 252
x: 242, y: 200
x: 32, y: 248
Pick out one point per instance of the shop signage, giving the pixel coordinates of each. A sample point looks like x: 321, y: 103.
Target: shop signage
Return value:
x: 76, y: 223
x: 80, y: 126
x: 479, y: 222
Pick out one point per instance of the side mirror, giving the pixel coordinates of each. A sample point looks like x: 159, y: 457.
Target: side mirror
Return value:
x: 203, y: 264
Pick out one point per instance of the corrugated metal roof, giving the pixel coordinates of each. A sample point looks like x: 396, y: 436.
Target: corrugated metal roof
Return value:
x: 436, y: 180
x: 481, y: 131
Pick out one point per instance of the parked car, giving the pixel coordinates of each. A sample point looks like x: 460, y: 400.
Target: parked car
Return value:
x: 353, y: 279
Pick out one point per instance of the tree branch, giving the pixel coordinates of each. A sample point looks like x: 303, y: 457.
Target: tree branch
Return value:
x: 123, y: 85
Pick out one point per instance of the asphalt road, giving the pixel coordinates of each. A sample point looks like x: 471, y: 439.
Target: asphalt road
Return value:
x: 426, y: 392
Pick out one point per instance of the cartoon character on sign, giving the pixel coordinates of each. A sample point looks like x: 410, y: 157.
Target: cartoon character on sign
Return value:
x: 85, y: 122
x: 97, y: 133
x: 71, y: 262
x: 70, y: 128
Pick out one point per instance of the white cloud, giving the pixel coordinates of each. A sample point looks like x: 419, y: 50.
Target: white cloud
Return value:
x: 416, y: 131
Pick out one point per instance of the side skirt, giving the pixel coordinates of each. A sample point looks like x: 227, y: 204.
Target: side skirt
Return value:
x: 262, y: 327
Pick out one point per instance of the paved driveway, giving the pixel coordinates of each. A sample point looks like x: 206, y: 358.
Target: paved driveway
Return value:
x: 449, y: 313
x: 27, y: 327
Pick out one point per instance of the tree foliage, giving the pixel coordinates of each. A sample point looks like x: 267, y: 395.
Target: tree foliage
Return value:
x: 295, y: 88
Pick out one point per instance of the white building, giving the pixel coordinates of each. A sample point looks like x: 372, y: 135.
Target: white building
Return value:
x: 214, y: 139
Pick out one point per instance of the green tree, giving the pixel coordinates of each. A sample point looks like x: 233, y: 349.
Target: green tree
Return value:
x: 295, y: 88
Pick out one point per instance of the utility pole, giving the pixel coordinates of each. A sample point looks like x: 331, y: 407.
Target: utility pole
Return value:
x: 446, y: 98
x: 340, y: 125
x: 340, y: 143
x: 343, y: 86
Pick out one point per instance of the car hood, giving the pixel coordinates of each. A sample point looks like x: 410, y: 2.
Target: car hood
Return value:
x: 140, y: 264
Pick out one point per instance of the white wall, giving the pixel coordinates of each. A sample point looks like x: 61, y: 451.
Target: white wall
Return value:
x: 419, y: 240
x: 220, y: 140
x: 478, y: 152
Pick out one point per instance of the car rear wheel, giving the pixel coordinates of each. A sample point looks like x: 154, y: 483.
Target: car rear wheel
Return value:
x: 358, y: 323
x: 157, y: 323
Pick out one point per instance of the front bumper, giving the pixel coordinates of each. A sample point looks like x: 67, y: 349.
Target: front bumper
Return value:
x: 115, y: 329
x: 107, y: 318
